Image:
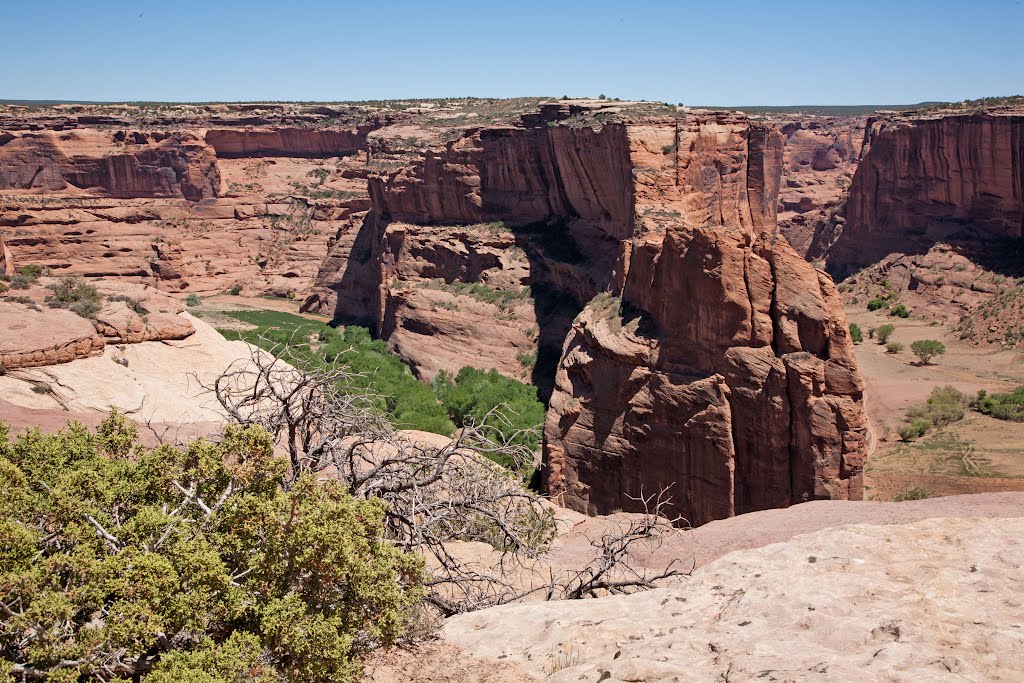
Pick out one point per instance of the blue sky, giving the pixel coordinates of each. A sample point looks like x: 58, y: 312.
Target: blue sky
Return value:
x: 725, y: 53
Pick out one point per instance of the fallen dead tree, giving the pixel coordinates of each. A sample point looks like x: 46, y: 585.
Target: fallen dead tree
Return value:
x: 438, y: 491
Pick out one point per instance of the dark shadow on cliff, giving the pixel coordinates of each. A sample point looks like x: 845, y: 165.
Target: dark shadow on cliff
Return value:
x: 1003, y: 256
x: 356, y: 290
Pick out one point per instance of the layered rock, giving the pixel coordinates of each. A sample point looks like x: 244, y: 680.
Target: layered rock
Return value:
x: 927, y: 179
x: 139, y: 165
x: 723, y: 371
x: 287, y: 142
x: 820, y: 158
x: 719, y: 366
x: 34, y: 337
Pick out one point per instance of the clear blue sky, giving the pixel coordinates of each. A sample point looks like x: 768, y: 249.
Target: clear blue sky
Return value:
x: 726, y: 53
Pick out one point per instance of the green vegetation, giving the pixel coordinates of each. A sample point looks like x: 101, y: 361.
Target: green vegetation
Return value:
x: 926, y: 349
x: 502, y: 298
x: 118, y: 563
x: 856, y: 334
x: 894, y: 347
x: 915, y: 429
x: 912, y: 493
x: 945, y: 406
x: 475, y: 396
x: 31, y: 270
x: 1002, y: 406
x: 235, y: 291
x: 440, y: 407
x: 76, y: 296
x: 877, y: 303
x: 3, y: 287
x: 192, y: 300
x: 884, y: 332
x: 409, y: 403
x: 900, y: 311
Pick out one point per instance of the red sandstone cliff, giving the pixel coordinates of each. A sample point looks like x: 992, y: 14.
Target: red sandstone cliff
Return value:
x: 723, y: 370
x: 927, y: 179
x: 719, y: 365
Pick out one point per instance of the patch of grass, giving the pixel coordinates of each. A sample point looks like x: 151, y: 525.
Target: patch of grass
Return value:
x: 502, y: 298
x: 408, y: 402
x: 912, y: 493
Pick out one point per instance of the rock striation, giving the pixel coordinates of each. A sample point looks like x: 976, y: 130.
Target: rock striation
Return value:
x: 720, y: 369
x: 925, y: 179
x: 716, y: 363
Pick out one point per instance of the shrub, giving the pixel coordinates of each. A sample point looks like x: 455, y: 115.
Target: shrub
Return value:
x: 900, y: 311
x: 236, y: 290
x: 188, y: 565
x: 3, y: 287
x: 871, y: 333
x: 491, y: 399
x: 856, y: 334
x: 76, y: 296
x: 894, y: 347
x: 31, y: 270
x: 877, y: 303
x: 1008, y: 406
x: 192, y: 300
x: 915, y: 429
x: 945, y: 405
x: 24, y: 301
x: 21, y: 281
x: 926, y: 349
x: 912, y: 493
x: 884, y: 332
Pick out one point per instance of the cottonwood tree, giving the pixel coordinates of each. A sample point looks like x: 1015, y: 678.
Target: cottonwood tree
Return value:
x: 436, y: 491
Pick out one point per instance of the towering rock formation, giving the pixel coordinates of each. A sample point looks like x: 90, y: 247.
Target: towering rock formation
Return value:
x: 720, y: 368
x: 925, y: 179
x: 716, y: 364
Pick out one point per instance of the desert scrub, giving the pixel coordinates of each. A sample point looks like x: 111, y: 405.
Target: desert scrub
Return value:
x: 856, y: 335
x: 75, y: 295
x: 188, y: 564
x: 502, y: 298
x: 1008, y: 406
x: 894, y: 347
x: 944, y: 406
x: 192, y: 300
x: 912, y: 493
x: 883, y: 333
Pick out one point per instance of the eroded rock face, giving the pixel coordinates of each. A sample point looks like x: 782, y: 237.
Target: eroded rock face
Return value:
x: 719, y: 365
x: 819, y: 161
x: 723, y: 371
x: 925, y: 180
x: 166, y: 165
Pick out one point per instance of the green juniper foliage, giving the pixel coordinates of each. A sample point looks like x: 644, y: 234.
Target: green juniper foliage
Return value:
x: 196, y: 565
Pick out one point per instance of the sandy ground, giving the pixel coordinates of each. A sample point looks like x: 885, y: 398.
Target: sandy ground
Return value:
x: 994, y: 449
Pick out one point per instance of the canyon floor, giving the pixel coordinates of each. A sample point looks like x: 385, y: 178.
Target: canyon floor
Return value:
x: 976, y: 454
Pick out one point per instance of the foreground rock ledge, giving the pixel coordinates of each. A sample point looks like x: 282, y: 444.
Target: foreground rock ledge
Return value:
x: 935, y: 600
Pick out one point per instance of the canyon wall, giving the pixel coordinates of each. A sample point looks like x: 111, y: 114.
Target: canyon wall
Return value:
x: 171, y: 204
x: 699, y: 353
x: 721, y: 371
x: 924, y: 180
